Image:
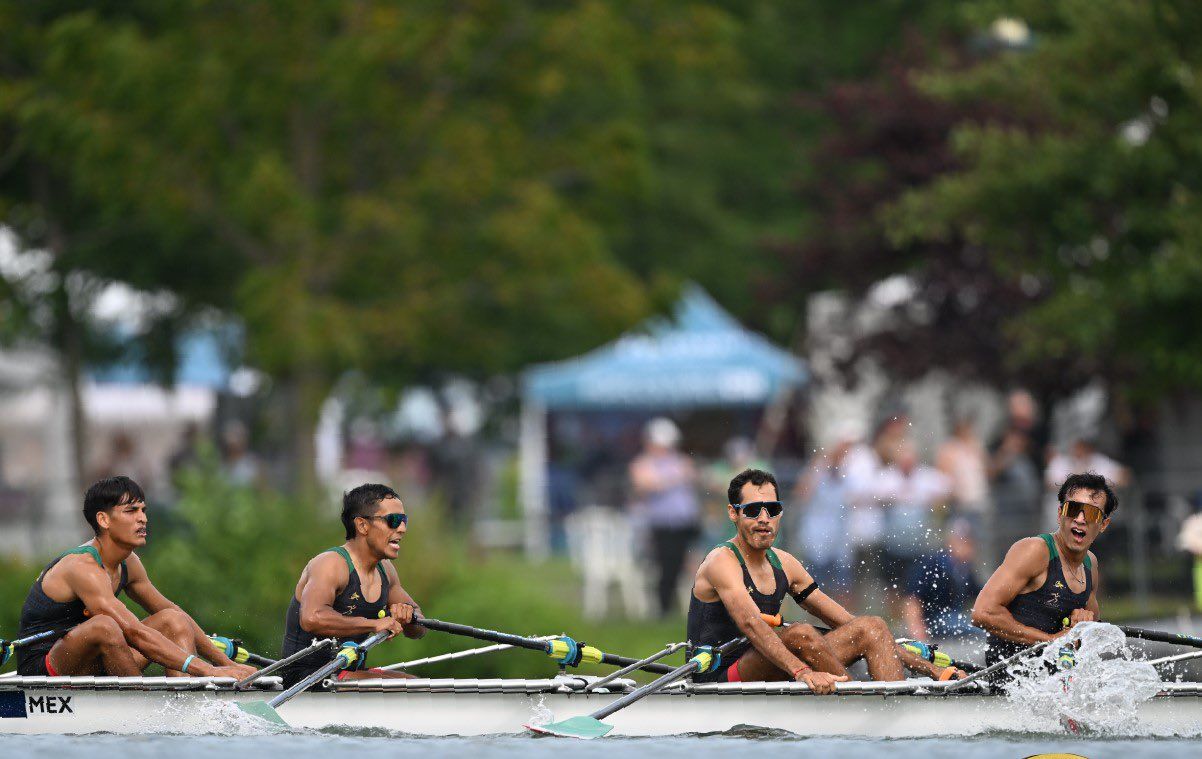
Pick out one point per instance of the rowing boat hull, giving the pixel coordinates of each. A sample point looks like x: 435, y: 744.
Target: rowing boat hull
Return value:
x: 484, y: 707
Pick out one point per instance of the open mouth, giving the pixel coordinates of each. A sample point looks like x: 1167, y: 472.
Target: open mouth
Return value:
x: 1078, y: 533
x: 395, y: 542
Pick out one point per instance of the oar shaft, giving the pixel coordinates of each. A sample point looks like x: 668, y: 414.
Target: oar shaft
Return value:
x: 1157, y: 636
x: 457, y: 655
x: 454, y: 628
x: 663, y: 682
x: 667, y: 651
x: 531, y: 644
x: 278, y: 665
x: 646, y: 690
x: 340, y: 662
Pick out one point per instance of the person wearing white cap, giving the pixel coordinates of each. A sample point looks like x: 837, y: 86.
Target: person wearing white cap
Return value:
x: 664, y: 482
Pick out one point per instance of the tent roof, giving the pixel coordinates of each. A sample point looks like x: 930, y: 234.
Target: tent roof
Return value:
x: 701, y: 357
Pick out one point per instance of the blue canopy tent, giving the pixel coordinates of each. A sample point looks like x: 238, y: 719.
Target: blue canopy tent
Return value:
x: 701, y: 357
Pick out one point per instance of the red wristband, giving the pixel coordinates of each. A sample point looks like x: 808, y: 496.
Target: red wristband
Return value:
x: 802, y: 670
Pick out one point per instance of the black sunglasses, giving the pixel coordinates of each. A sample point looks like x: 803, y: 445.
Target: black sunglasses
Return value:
x: 752, y: 510
x: 392, y: 520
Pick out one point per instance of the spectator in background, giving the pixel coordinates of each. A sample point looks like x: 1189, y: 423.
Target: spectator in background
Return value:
x: 862, y: 469
x: 911, y: 492
x: 963, y: 459
x: 124, y: 460
x: 238, y: 464
x: 1082, y: 456
x: 823, y: 493
x: 1014, y: 477
x: 664, y: 482
x: 941, y: 589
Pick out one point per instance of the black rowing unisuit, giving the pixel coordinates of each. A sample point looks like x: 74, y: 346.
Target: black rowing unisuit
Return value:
x: 41, y: 613
x: 1044, y: 608
x: 710, y: 624
x: 349, y: 603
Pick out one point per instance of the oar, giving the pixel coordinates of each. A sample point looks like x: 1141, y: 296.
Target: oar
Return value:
x: 349, y: 654
x: 1161, y: 637
x: 564, y: 650
x: 9, y: 647
x: 1029, y: 651
x: 458, y: 654
x: 232, y: 647
x: 276, y: 666
x: 591, y: 726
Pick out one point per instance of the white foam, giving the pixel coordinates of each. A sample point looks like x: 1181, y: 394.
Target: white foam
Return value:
x: 1101, y: 694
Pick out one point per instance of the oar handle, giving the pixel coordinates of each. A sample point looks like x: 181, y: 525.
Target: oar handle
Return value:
x: 1158, y: 636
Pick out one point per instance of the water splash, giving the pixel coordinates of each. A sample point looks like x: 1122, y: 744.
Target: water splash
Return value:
x: 1100, y: 695
x: 542, y: 714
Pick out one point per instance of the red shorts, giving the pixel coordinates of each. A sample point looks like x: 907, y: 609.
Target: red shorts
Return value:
x: 732, y: 673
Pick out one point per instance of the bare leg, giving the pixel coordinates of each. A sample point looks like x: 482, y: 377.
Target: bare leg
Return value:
x: 805, y: 642
x: 175, y: 627
x: 95, y: 647
x: 868, y: 638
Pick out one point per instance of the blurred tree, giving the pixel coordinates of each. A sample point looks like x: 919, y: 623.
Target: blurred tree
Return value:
x: 1089, y: 196
x: 402, y: 189
x: 68, y: 215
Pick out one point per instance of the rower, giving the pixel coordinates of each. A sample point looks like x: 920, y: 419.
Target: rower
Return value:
x: 744, y: 580
x: 351, y: 591
x: 76, y: 594
x: 1048, y: 584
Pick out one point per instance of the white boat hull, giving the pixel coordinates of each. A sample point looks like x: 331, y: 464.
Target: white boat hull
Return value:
x: 485, y: 707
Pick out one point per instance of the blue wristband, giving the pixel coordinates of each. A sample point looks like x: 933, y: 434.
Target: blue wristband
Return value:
x: 187, y: 661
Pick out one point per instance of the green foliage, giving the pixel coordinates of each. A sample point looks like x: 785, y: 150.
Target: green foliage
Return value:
x: 233, y: 556
x: 1090, y: 195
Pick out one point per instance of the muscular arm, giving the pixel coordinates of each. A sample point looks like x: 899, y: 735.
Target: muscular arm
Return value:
x: 92, y: 585
x: 326, y: 573
x: 723, y: 573
x: 822, y: 606
x: 398, y: 596
x: 1025, y: 561
x: 145, y: 594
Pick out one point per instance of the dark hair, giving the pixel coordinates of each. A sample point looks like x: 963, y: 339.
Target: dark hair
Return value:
x: 109, y: 492
x: 362, y: 502
x: 734, y: 493
x: 1089, y: 481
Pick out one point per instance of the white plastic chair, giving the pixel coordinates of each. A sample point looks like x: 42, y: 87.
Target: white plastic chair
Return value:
x: 601, y: 544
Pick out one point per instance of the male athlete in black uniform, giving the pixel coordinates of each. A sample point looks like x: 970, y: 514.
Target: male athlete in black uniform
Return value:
x: 352, y: 591
x: 76, y: 594
x: 745, y: 579
x: 1047, y: 584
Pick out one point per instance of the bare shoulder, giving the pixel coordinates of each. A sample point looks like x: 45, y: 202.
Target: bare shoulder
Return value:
x: 719, y: 559
x: 1029, y: 553
x: 793, y: 567
x: 135, y: 567
x: 390, y: 572
x: 1093, y: 560
x: 328, y: 566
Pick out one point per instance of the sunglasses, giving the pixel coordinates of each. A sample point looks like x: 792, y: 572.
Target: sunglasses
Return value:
x: 392, y: 520
x: 752, y: 510
x: 1072, y: 509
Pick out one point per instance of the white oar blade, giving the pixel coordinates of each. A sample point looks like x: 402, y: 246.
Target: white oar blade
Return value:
x: 574, y: 727
x: 263, y: 711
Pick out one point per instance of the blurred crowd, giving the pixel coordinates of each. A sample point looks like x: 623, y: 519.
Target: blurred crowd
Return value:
x: 881, y: 527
